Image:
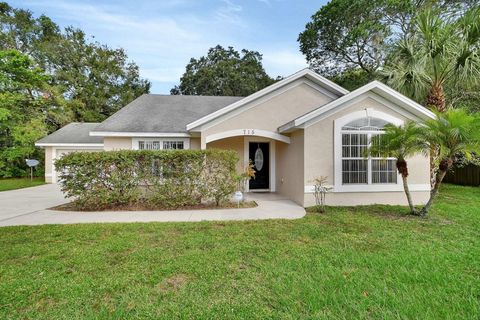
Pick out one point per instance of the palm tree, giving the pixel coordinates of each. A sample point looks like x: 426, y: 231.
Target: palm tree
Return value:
x: 442, y: 51
x: 454, y: 132
x: 401, y: 142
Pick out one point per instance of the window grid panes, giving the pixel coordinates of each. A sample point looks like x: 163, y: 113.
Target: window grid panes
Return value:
x: 160, y: 145
x: 384, y: 171
x: 149, y: 145
x: 171, y: 145
x: 354, y: 164
x: 357, y: 166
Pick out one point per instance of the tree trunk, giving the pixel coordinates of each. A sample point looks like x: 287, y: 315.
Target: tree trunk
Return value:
x: 403, y: 170
x: 436, y: 98
x: 433, y: 168
x: 435, y: 101
x: 445, y: 165
x: 409, y: 197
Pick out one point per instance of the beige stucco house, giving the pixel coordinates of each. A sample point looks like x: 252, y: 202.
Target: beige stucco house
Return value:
x: 297, y: 129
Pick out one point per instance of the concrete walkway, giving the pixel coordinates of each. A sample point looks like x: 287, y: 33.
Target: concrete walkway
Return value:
x: 28, y: 207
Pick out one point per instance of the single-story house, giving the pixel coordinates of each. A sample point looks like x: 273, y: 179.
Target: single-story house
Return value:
x: 295, y: 130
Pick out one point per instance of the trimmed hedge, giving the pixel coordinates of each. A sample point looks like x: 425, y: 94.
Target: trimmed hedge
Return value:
x: 167, y: 179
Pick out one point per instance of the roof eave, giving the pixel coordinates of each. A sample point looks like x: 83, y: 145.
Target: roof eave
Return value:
x: 139, y: 134
x: 374, y: 86
x: 64, y: 144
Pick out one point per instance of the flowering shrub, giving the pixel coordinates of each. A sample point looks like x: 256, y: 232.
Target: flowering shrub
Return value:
x: 170, y: 179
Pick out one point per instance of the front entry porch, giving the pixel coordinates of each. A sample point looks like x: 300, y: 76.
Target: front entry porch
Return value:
x: 260, y: 151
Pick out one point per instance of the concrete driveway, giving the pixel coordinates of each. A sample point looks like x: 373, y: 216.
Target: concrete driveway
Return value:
x: 29, y: 207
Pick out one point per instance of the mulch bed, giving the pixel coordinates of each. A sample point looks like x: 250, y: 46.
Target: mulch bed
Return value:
x: 72, y: 206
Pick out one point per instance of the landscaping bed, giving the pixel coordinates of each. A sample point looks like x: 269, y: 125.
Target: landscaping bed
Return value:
x: 72, y: 206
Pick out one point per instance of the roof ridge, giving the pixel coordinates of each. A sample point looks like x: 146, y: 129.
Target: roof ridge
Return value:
x: 189, y: 95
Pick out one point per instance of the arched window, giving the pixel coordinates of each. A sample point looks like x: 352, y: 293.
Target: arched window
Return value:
x: 357, y: 166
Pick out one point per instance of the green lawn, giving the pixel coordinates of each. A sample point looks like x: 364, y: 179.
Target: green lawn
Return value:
x: 18, y: 183
x: 350, y: 263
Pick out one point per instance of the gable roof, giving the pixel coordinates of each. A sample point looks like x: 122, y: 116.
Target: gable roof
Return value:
x: 376, y: 87
x: 73, y: 133
x: 305, y: 73
x: 155, y: 113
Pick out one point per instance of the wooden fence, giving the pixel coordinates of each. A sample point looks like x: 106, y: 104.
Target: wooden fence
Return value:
x: 466, y: 176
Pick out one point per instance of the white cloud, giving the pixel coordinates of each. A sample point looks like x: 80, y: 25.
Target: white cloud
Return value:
x: 229, y: 12
x: 283, y: 62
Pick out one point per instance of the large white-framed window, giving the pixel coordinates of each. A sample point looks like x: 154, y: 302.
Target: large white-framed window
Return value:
x: 355, y: 169
x: 160, y: 143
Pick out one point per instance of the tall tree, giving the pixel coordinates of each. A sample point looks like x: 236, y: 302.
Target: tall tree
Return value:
x: 346, y: 38
x: 50, y: 77
x: 95, y: 79
x: 224, y: 72
x: 26, y: 104
x: 345, y: 35
x: 442, y: 52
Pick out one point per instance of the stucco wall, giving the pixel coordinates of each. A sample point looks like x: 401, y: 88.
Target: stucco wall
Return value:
x: 233, y: 143
x: 289, y: 167
x: 48, y: 164
x: 195, y: 143
x: 276, y: 110
x: 357, y: 198
x: 319, y: 161
x: 117, y: 143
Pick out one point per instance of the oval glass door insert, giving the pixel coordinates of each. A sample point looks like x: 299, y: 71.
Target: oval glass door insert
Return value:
x: 259, y: 159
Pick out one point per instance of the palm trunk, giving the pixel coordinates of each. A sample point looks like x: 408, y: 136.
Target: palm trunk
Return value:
x: 436, y: 102
x: 445, y: 165
x: 436, y: 98
x: 433, y: 168
x: 403, y: 170
x: 409, y: 197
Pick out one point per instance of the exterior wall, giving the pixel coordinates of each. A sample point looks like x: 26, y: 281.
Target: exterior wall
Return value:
x: 195, y: 143
x: 320, y: 159
x: 362, y: 198
x: 274, y: 111
x: 48, y: 164
x: 290, y: 165
x: 117, y: 143
x: 234, y: 143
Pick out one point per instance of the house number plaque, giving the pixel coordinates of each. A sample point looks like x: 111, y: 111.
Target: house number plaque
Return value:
x: 248, y: 132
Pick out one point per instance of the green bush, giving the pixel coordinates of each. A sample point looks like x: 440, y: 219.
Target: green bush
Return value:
x: 169, y: 179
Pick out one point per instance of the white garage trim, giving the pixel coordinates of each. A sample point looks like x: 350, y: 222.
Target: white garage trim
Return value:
x: 76, y: 147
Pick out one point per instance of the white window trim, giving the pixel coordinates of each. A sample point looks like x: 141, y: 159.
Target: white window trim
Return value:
x: 186, y: 142
x: 271, y: 143
x: 338, y: 124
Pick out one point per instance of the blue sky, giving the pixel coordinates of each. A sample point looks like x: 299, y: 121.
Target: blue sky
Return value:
x: 161, y: 36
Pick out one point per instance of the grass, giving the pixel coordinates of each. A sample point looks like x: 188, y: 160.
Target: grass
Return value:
x: 372, y: 262
x: 19, y: 183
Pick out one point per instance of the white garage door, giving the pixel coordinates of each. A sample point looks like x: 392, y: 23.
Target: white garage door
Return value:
x: 61, y: 152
